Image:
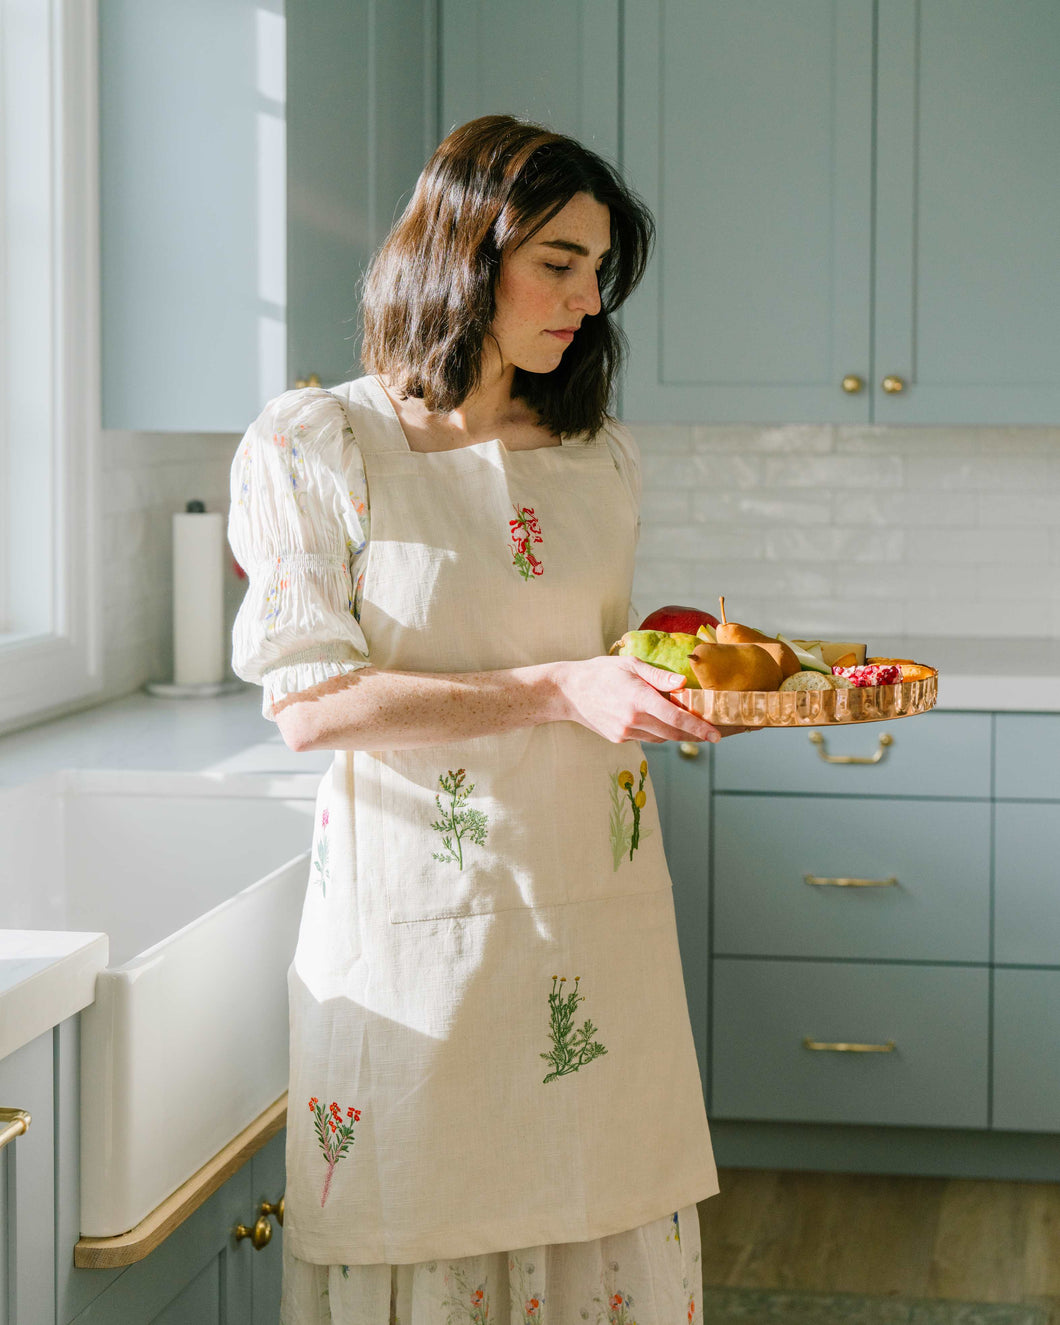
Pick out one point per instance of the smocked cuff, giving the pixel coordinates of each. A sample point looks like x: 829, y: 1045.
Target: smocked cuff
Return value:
x: 294, y: 676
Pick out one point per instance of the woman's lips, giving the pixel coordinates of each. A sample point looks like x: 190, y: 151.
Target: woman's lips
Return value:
x: 566, y: 336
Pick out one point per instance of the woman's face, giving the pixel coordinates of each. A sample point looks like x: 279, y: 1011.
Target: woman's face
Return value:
x: 549, y: 284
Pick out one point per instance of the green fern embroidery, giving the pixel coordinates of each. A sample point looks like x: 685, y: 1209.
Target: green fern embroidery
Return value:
x: 457, y: 821
x: 571, y: 1048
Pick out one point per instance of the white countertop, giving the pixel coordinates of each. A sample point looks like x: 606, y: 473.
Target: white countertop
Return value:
x: 1006, y: 675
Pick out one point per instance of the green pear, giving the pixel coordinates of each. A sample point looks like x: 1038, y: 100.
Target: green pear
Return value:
x: 661, y: 648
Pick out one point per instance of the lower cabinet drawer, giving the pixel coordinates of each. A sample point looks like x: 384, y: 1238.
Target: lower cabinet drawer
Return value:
x: 830, y: 876
x: 936, y: 1016
x: 1026, y: 1051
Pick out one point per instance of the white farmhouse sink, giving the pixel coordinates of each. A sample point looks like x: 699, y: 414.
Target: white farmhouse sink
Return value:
x: 198, y: 881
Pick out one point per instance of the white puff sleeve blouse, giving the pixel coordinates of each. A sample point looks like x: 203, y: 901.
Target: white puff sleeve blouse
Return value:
x: 299, y: 525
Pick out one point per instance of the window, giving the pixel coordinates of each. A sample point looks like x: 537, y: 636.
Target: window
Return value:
x: 50, y: 647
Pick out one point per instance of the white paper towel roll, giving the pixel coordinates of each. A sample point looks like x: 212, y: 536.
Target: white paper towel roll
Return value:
x: 198, y: 597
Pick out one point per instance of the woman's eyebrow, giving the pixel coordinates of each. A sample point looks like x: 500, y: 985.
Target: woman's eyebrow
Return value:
x: 569, y: 246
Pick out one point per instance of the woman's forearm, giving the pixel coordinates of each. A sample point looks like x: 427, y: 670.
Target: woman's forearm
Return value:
x: 371, y: 709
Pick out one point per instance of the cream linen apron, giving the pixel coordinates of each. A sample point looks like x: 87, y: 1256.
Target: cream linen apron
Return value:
x: 490, y: 1043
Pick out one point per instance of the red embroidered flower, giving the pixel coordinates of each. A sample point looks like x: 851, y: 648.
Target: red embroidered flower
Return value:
x: 524, y: 531
x: 324, y: 819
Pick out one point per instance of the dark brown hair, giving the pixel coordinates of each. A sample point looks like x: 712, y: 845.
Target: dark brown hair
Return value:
x: 429, y: 296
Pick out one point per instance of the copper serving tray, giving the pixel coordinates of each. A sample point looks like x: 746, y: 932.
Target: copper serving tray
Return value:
x: 810, y: 708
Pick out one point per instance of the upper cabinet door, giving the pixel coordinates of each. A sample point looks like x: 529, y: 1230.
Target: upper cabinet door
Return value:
x: 968, y: 210
x: 192, y: 204
x: 362, y: 118
x: 554, y: 61
x: 250, y: 165
x: 747, y: 128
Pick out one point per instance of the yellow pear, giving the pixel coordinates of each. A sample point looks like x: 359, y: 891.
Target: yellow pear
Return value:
x: 731, y: 632
x: 735, y: 667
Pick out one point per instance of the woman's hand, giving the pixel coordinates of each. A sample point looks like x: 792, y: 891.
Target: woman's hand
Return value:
x: 619, y: 699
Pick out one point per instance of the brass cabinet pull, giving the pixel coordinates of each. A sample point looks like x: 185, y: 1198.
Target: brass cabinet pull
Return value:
x: 850, y: 1048
x: 688, y: 750
x: 892, y: 385
x: 886, y: 741
x: 850, y: 883
x: 852, y: 384
x: 267, y: 1208
x: 260, y: 1235
x: 13, y: 1122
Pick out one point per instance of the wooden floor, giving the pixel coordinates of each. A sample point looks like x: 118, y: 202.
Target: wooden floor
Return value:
x: 916, y: 1237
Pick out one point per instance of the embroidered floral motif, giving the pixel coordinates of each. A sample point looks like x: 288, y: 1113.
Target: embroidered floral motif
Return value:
x: 523, y: 1291
x: 244, y: 476
x: 457, y: 822
x: 571, y: 1048
x: 627, y: 833
x: 291, y: 456
x: 619, y: 1307
x: 320, y: 864
x: 277, y: 588
x: 470, y: 1304
x: 333, y: 1135
x: 675, y: 1232
x: 526, y: 530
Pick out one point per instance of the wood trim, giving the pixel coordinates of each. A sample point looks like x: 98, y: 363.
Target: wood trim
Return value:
x: 128, y: 1248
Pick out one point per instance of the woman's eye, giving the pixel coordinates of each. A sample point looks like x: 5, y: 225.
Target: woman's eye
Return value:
x: 552, y: 266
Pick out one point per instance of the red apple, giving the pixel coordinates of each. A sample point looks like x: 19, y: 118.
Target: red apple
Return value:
x: 683, y: 620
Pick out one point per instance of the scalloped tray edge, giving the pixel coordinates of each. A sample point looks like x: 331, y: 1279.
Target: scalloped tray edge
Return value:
x: 810, y: 708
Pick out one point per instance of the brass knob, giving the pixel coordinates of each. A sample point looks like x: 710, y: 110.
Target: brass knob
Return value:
x: 892, y: 385
x: 852, y: 384
x: 267, y: 1208
x: 688, y: 750
x: 312, y: 380
x: 260, y: 1235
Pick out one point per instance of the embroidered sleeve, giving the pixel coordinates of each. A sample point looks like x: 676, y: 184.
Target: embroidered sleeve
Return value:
x: 298, y: 524
x: 626, y: 454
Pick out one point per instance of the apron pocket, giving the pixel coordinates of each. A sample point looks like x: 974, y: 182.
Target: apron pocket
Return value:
x: 508, y: 823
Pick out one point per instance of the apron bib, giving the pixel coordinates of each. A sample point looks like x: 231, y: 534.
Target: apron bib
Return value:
x: 490, y: 1041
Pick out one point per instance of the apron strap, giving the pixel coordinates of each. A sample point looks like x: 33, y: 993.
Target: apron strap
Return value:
x: 375, y: 425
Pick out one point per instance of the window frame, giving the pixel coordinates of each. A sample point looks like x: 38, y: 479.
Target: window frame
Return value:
x: 59, y: 669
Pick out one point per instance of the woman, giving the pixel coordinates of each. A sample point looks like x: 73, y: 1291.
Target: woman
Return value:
x: 495, y: 1109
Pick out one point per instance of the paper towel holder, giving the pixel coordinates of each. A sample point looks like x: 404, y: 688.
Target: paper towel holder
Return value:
x: 202, y: 690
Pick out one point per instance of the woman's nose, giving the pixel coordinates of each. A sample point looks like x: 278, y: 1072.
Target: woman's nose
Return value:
x: 587, y: 296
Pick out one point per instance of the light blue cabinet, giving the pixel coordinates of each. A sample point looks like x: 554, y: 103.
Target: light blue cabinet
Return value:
x: 200, y: 1273
x: 27, y: 1172
x: 748, y: 130
x: 784, y: 1030
x: 250, y: 163
x: 191, y: 212
x: 361, y: 122
x: 845, y: 190
x: 555, y: 61
x: 908, y: 905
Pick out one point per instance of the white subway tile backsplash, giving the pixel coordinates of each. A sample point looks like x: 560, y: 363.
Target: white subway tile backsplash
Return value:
x: 837, y: 471
x: 796, y: 439
x: 867, y: 530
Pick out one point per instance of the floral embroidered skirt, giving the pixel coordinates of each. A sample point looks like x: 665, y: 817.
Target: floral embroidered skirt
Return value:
x: 650, y: 1275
